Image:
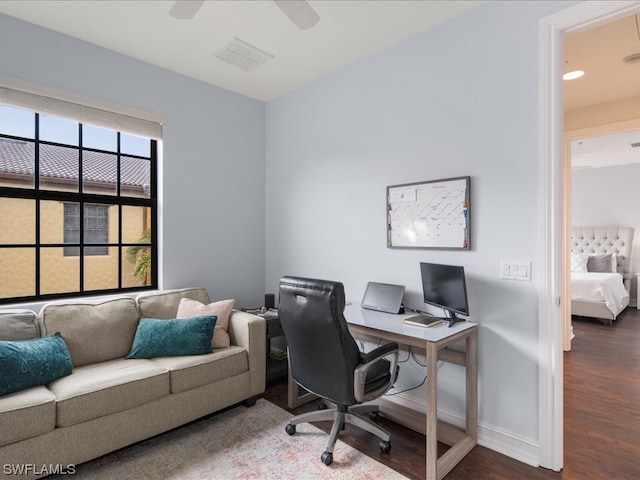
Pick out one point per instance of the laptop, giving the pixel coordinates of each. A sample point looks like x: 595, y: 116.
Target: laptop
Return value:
x: 383, y: 297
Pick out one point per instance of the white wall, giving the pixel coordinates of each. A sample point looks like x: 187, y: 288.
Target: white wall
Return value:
x: 213, y: 161
x: 458, y: 99
x: 607, y: 196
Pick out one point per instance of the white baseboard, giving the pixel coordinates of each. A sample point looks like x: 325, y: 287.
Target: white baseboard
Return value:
x: 411, y: 413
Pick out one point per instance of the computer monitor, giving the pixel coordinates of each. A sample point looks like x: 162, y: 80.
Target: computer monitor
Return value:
x: 444, y: 286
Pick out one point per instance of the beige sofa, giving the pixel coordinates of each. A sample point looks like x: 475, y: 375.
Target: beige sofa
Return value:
x: 108, y: 402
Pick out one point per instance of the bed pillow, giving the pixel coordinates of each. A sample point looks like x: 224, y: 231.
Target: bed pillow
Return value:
x: 171, y: 338
x: 222, y: 309
x: 28, y: 363
x: 579, y: 262
x: 601, y: 263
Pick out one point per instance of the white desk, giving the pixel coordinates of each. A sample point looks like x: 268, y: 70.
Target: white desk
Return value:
x: 373, y: 326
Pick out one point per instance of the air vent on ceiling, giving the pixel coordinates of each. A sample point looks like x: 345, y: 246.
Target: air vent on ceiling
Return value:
x: 243, y: 55
x: 635, y: 144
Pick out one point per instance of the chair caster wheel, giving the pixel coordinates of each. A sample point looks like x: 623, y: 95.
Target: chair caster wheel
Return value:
x: 385, y: 447
x: 322, y: 406
x: 290, y: 429
x: 327, y: 458
x: 374, y: 415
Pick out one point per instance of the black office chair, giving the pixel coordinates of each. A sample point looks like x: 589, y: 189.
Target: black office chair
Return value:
x: 324, y: 359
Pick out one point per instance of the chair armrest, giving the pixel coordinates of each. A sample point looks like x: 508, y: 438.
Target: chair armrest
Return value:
x: 381, y: 351
x: 369, y: 359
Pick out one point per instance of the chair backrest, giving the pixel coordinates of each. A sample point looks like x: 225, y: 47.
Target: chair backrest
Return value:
x: 322, y: 353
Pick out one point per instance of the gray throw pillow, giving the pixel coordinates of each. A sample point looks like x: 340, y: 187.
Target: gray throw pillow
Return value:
x: 600, y: 263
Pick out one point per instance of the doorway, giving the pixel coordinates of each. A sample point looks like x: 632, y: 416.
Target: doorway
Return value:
x: 554, y: 217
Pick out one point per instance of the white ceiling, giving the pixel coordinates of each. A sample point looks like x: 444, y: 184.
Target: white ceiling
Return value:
x: 606, y: 150
x: 599, y: 53
x: 347, y: 32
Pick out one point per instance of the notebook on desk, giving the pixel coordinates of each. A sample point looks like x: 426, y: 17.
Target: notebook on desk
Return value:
x: 423, y: 320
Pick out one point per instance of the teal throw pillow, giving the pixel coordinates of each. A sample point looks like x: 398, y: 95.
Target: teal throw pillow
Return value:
x: 169, y: 338
x: 25, y: 364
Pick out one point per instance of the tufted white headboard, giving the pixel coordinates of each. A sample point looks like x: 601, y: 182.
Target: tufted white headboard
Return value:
x: 616, y: 240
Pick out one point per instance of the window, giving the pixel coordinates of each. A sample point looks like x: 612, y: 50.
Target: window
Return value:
x: 77, y: 208
x: 96, y: 228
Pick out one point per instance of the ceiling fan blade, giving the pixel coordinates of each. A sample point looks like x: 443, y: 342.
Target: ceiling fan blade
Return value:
x: 300, y: 13
x: 185, y: 9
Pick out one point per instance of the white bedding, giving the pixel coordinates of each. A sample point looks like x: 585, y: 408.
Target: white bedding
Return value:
x: 600, y: 287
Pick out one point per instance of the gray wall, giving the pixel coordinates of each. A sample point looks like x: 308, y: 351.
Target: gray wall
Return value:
x: 458, y: 99
x: 212, y: 191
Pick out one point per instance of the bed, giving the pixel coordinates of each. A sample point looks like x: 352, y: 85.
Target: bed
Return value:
x: 600, y: 271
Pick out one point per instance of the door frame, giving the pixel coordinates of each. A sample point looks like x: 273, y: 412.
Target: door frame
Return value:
x: 553, y: 216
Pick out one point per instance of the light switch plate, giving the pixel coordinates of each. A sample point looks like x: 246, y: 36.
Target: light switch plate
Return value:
x: 515, y: 270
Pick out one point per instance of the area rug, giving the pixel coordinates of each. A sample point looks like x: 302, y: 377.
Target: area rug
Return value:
x: 240, y: 443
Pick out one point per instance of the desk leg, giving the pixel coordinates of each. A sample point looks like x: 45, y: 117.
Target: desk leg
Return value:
x: 472, y: 385
x: 432, y: 412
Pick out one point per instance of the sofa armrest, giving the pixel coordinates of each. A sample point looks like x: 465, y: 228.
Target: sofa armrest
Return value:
x: 250, y: 332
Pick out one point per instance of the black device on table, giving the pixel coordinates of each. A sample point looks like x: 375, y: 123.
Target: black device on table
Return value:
x: 445, y: 286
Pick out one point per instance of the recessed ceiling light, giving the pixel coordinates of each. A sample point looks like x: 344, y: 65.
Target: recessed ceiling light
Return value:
x: 573, y: 75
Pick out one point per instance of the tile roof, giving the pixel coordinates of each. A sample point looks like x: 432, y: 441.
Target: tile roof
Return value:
x: 17, y: 158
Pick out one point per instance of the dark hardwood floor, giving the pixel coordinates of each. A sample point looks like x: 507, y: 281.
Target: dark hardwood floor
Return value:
x: 602, y: 415
x: 602, y: 399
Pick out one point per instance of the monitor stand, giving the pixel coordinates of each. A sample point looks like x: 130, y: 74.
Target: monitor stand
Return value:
x: 455, y: 319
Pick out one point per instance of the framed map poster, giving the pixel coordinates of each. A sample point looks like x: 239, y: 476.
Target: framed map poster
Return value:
x: 433, y: 214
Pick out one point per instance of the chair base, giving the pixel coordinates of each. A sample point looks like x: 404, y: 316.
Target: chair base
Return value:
x: 341, y: 415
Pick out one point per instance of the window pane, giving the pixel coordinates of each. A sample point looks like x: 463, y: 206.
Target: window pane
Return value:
x: 134, y: 145
x: 100, y: 138
x: 136, y: 266
x: 58, y: 130
x: 135, y: 177
x: 101, y: 272
x: 17, y: 163
x: 99, y: 173
x: 59, y: 167
x: 136, y: 226
x: 17, y: 122
x: 56, y: 218
x: 58, y: 273
x: 17, y: 221
x: 18, y: 267
x: 97, y: 228
x: 96, y: 224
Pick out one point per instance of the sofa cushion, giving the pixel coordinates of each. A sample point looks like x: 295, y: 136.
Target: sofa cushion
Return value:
x: 165, y: 304
x: 104, y: 388
x: 25, y: 364
x: 19, y: 324
x: 26, y: 414
x: 190, y: 308
x: 164, y: 338
x: 93, y: 331
x: 192, y: 371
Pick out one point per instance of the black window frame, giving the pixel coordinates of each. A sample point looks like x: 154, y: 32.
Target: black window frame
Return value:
x: 82, y: 198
